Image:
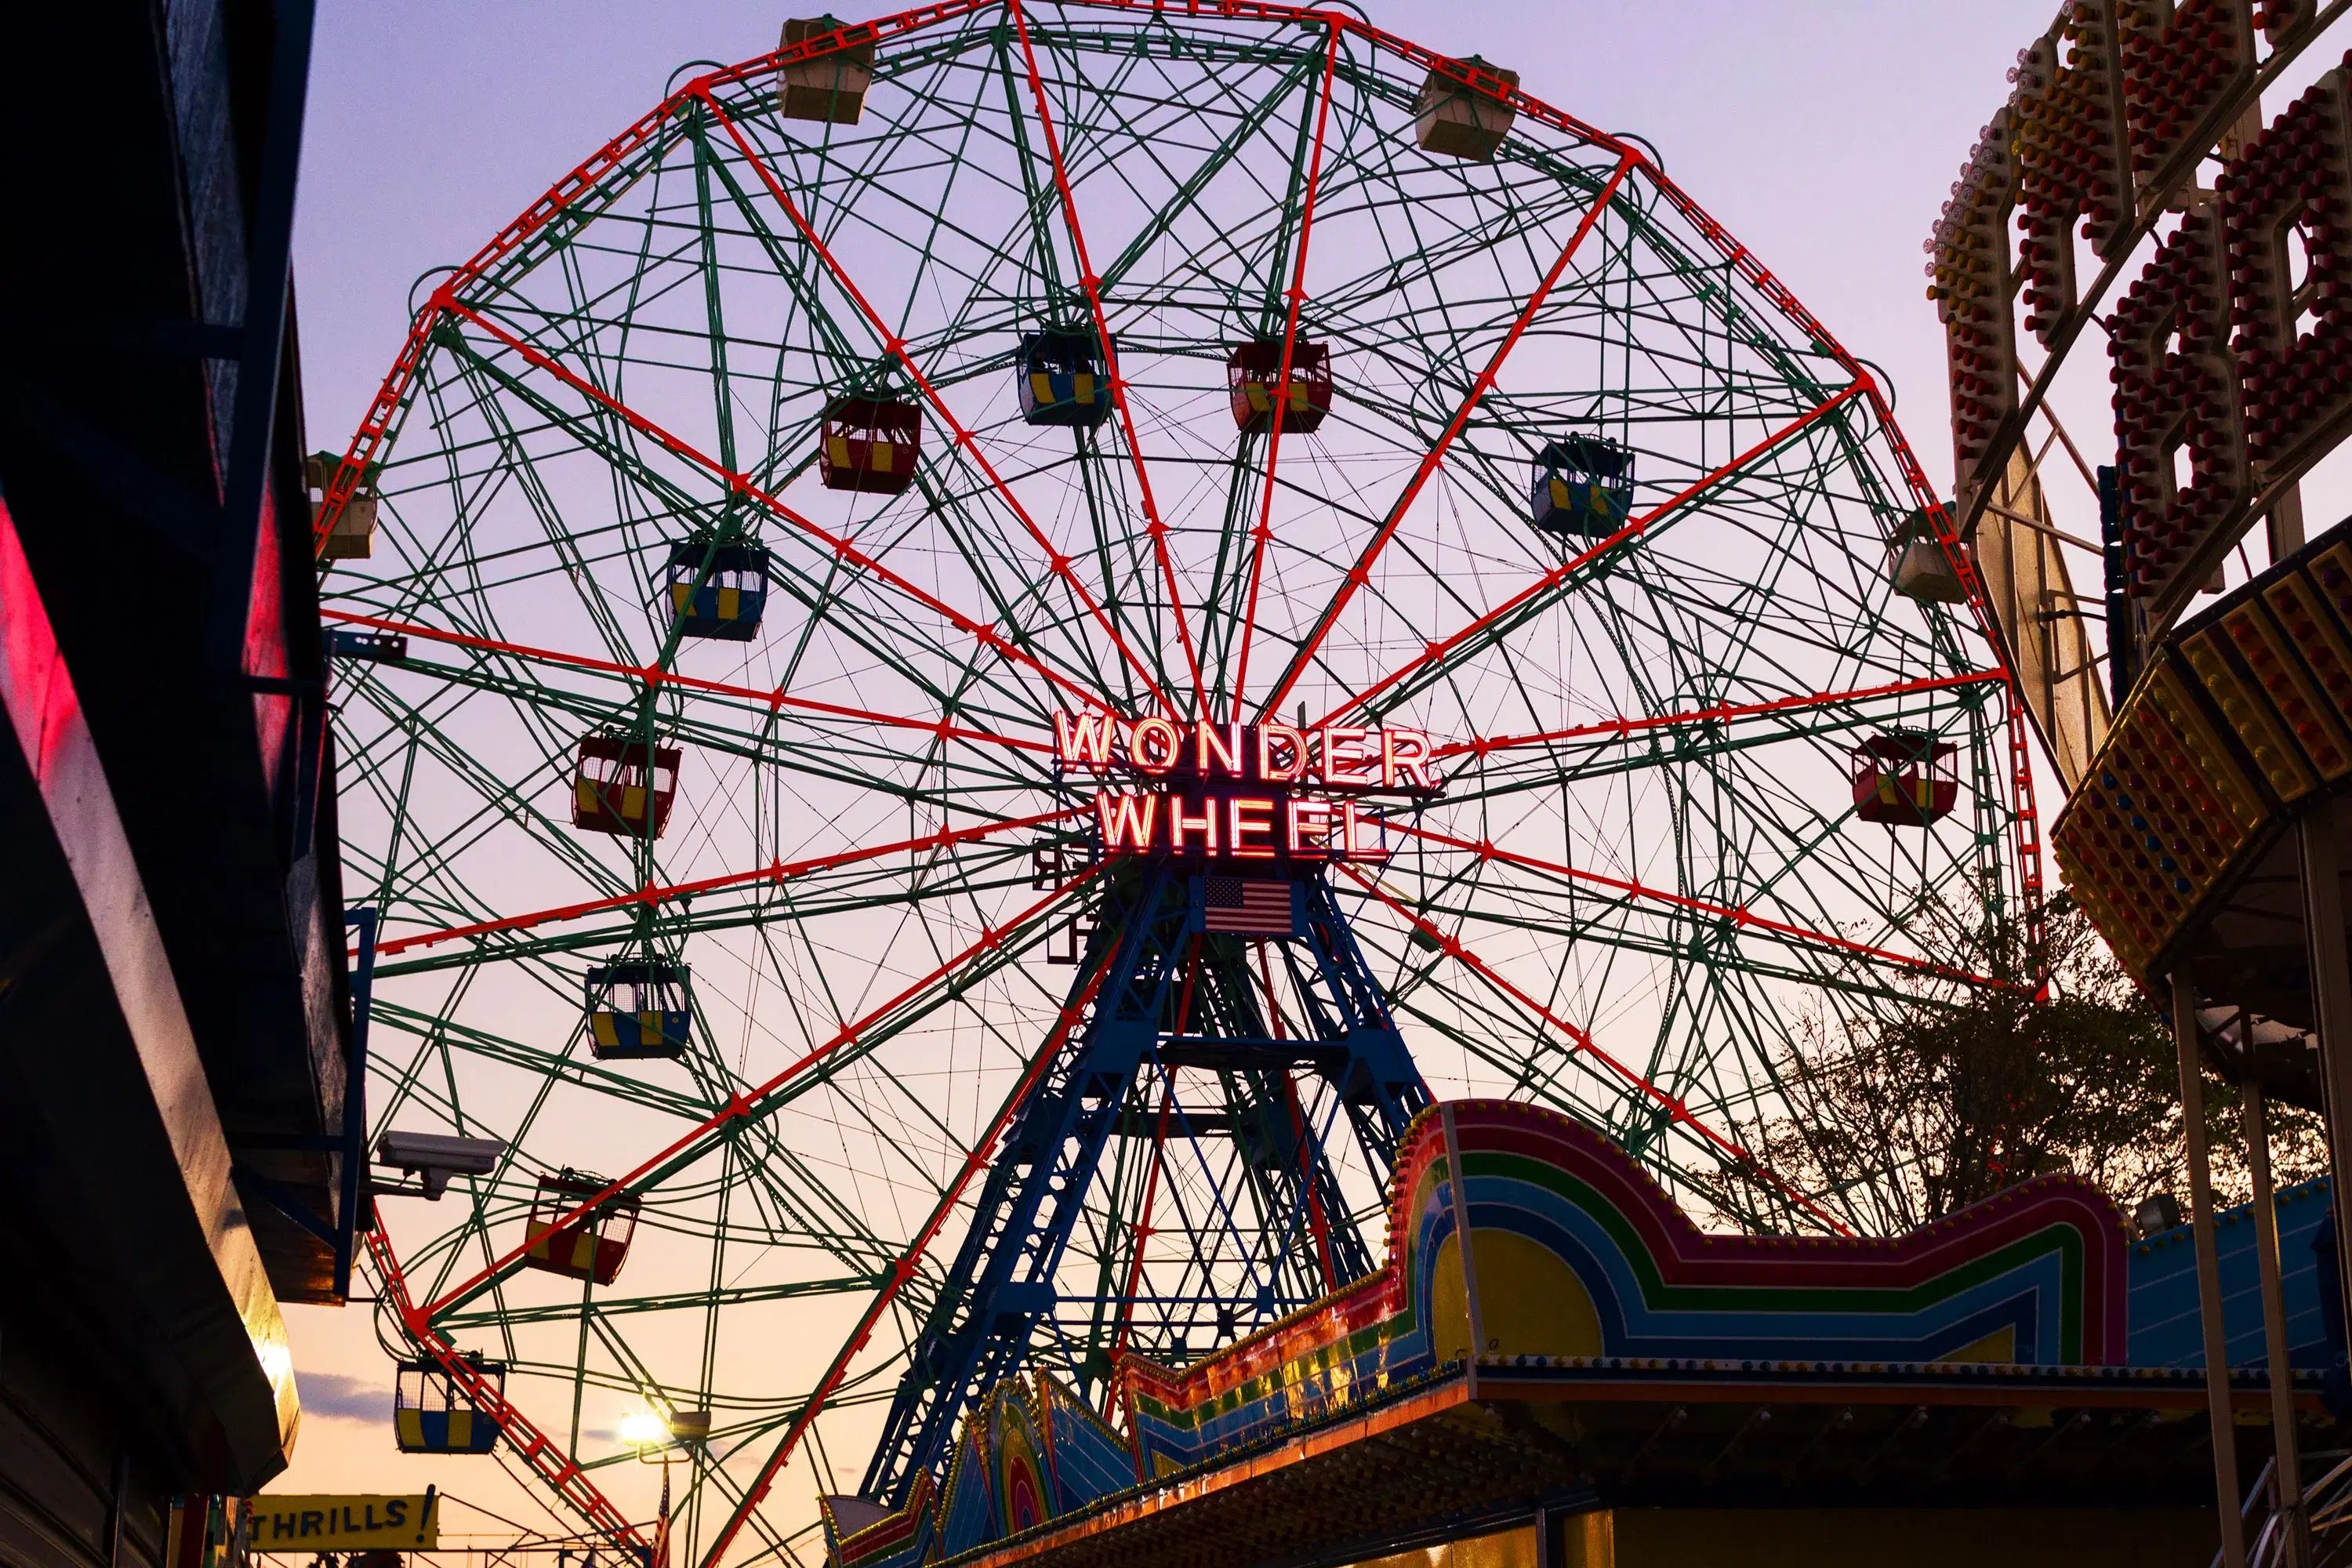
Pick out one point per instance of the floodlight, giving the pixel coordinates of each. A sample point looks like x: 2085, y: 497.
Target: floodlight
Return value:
x: 655, y: 1439
x: 435, y: 1157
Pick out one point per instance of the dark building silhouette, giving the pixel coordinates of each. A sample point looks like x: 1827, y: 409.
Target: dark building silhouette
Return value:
x: 175, y: 1009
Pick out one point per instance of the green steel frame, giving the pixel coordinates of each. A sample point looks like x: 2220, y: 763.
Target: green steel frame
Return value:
x: 1644, y: 873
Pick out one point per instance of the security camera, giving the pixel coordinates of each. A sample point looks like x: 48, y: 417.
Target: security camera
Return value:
x: 435, y: 1157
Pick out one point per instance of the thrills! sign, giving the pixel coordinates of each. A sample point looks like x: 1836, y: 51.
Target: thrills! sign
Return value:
x: 1241, y: 792
x: 367, y: 1522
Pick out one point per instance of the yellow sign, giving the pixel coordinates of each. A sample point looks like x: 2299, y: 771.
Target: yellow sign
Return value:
x: 362, y: 1523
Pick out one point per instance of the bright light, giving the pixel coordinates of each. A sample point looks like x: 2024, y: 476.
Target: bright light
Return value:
x: 643, y: 1429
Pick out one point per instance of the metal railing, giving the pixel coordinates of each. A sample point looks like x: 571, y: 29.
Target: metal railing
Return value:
x: 2326, y: 1503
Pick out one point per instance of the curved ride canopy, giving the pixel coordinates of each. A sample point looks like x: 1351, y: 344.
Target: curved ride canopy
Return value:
x: 829, y: 523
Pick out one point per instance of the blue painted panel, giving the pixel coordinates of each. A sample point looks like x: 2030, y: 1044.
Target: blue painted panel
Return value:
x: 2166, y: 1328
x: 1090, y: 1460
x: 969, y: 1518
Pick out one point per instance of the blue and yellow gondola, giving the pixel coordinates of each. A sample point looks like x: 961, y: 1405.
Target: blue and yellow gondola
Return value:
x: 433, y: 1412
x: 717, y: 591
x: 1063, y: 380
x: 1583, y: 485
x: 638, y: 1011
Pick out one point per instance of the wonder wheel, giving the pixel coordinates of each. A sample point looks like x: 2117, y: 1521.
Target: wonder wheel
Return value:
x: 1357, y: 455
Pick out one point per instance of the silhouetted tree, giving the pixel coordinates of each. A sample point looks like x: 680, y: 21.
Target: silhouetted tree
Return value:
x: 1961, y: 1099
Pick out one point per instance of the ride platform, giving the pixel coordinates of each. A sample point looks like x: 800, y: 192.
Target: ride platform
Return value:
x: 1600, y: 1357
x: 2181, y: 842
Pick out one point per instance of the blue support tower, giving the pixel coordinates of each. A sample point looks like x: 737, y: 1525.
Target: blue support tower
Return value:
x: 1174, y: 994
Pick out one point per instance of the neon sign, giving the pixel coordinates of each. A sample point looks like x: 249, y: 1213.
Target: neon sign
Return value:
x: 1241, y: 792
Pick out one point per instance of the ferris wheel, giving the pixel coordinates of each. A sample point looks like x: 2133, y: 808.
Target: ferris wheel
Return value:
x: 775, y: 561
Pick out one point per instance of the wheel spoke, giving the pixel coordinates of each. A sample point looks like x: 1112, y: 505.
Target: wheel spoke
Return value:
x: 1092, y: 284
x: 1434, y: 657
x: 896, y: 348
x: 1681, y: 1114
x: 1361, y: 573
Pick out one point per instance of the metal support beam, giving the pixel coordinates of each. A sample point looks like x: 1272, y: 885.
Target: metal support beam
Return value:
x: 2286, y: 524
x: 2331, y: 1001
x: 1583, y: 1540
x: 353, y: 1194
x: 2286, y: 1475
x: 2209, y: 1273
x: 1169, y: 989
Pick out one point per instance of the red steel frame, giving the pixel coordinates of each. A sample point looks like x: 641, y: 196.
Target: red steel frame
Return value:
x: 1277, y: 403
x: 1362, y: 572
x: 1087, y: 278
x: 654, y: 675
x: 1546, y: 582
x: 546, y: 1460
x: 560, y: 200
x: 1742, y: 917
x: 1681, y: 1114
x: 567, y: 195
x: 904, y: 1269
x: 1624, y: 725
x: 539, y: 1451
x: 988, y: 636
x: 653, y: 895
x: 551, y: 1463
x: 939, y: 410
x: 743, y: 1107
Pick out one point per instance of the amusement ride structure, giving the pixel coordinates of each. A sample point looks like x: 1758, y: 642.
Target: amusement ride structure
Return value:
x: 984, y: 652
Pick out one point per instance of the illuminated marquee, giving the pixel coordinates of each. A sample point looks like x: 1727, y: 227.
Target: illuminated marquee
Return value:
x: 1241, y: 792
x: 2231, y: 353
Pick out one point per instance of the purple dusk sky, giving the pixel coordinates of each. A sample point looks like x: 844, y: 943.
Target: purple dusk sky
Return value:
x: 1823, y: 133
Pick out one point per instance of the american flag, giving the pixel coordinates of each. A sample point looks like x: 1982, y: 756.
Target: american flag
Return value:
x: 661, y: 1530
x: 1251, y: 905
